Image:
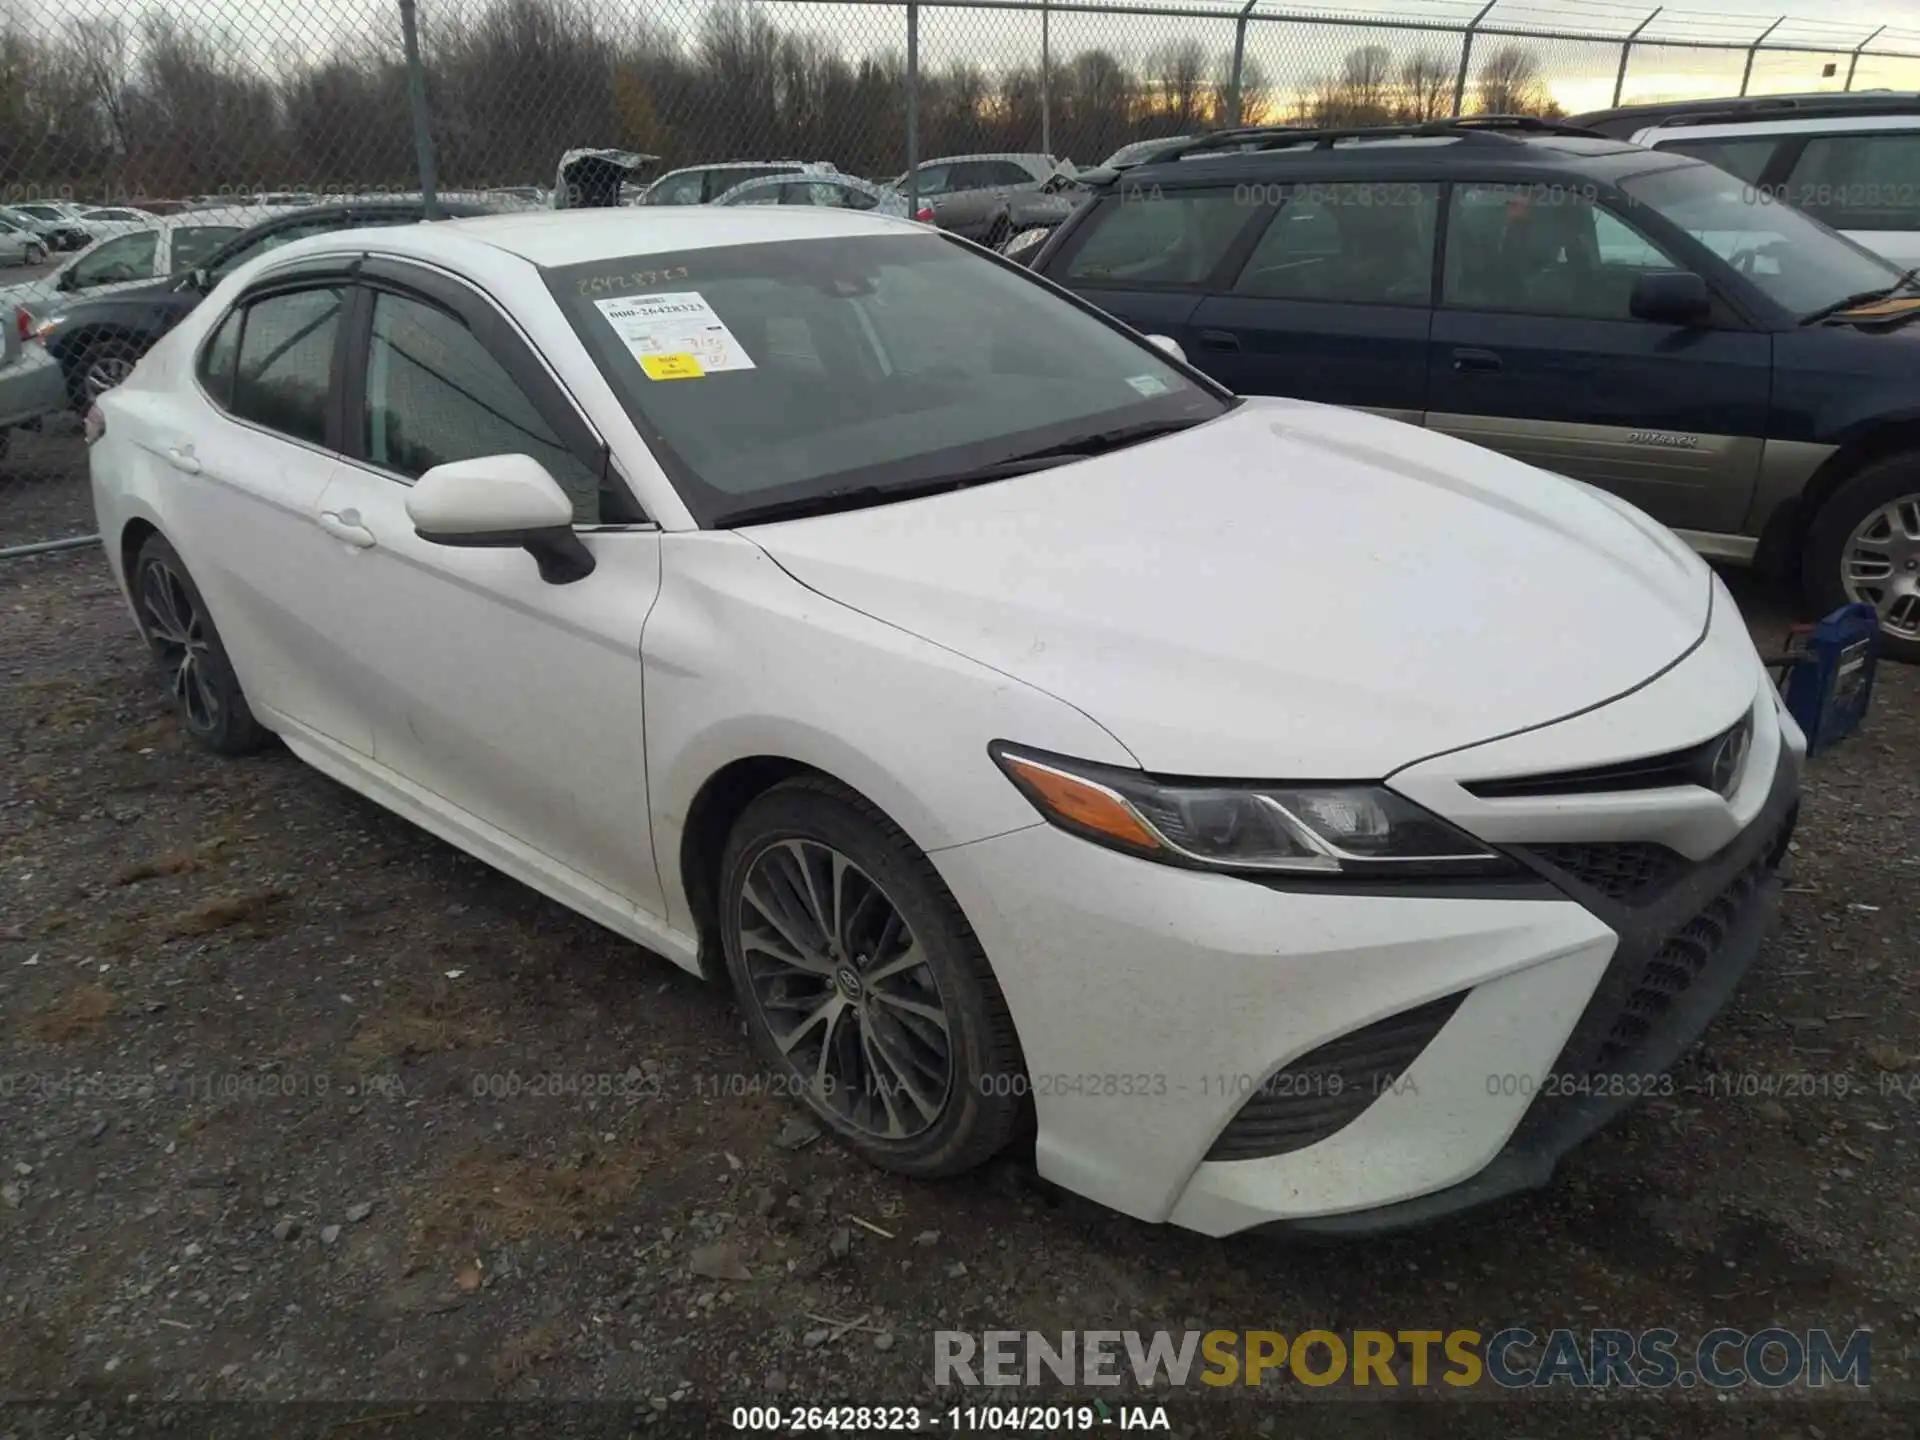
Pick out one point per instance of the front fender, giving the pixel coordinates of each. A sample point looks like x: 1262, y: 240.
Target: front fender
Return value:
x: 741, y: 661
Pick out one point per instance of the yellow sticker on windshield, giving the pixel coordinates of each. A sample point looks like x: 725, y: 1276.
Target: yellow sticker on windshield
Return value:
x: 671, y: 367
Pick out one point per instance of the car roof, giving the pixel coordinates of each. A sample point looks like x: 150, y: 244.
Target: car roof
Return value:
x: 1026, y: 155
x: 1625, y: 120
x: 551, y: 238
x: 1435, y: 157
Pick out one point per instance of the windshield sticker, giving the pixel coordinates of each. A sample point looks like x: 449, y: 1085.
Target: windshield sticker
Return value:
x: 680, y: 327
x: 1148, y: 384
x: 671, y: 367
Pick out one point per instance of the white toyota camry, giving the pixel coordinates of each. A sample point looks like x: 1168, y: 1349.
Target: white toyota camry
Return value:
x: 1267, y: 812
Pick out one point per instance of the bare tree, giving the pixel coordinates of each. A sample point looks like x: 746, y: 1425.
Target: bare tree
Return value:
x: 1425, y: 90
x: 1509, y: 82
x: 1181, y: 85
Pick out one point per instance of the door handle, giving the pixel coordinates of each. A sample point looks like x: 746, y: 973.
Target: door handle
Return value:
x: 1476, y: 362
x: 181, y: 458
x: 1219, y: 340
x: 346, y: 527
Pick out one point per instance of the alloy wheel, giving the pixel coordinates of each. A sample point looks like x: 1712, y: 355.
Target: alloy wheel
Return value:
x: 178, y: 634
x: 1881, y: 565
x: 845, y: 989
x: 103, y: 372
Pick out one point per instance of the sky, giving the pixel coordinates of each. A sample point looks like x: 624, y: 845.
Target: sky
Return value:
x: 1290, y: 51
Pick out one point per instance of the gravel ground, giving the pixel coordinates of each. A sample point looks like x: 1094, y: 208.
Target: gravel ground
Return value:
x: 275, y: 1124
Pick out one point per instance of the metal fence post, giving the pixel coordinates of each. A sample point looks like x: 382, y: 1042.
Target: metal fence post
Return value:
x: 1626, y: 49
x: 1854, y: 63
x: 913, y: 108
x: 1239, y: 61
x: 1466, y: 54
x: 1754, y: 49
x: 1046, y: 80
x: 417, y: 103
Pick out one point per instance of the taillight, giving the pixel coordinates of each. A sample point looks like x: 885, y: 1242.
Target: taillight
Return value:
x: 23, y: 322
x: 924, y: 215
x: 95, y: 425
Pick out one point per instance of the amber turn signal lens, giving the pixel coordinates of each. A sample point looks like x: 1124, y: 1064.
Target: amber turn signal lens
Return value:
x: 1082, y: 803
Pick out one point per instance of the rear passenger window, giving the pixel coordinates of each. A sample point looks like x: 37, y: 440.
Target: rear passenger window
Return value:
x: 1543, y: 249
x: 1859, y: 182
x: 216, y: 359
x: 286, y: 362
x: 1746, y: 159
x: 1368, y: 243
x: 1146, y: 238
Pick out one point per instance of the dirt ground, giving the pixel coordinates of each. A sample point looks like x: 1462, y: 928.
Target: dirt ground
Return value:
x: 299, y: 1104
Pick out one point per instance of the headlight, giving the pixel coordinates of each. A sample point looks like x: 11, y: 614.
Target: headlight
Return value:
x: 1329, y: 830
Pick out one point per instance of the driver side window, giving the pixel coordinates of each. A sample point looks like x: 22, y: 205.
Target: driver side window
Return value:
x: 130, y: 257
x: 1543, y: 249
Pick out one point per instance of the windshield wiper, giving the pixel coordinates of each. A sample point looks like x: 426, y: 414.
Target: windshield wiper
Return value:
x: 1863, y: 298
x: 860, y: 497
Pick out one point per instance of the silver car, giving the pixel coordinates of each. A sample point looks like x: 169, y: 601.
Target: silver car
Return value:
x: 20, y: 246
x: 991, y: 198
x: 826, y: 187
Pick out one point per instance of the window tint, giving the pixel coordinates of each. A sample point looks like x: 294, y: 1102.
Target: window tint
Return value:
x: 286, y: 358
x: 1348, y: 243
x: 193, y: 244
x: 1859, y: 182
x: 764, y: 195
x: 128, y: 258
x: 721, y: 181
x: 435, y: 395
x: 935, y: 179
x: 678, y: 189
x: 1543, y: 250
x: 1746, y: 159
x: 1141, y: 237
x: 216, y: 359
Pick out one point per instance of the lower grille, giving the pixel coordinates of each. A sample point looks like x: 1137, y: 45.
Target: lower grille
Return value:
x: 1679, y: 962
x: 1328, y: 1088
x: 1630, y: 873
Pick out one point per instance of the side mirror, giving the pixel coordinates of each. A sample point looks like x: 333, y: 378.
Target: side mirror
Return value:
x: 501, y: 501
x: 66, y: 280
x: 202, y: 279
x: 1168, y: 345
x: 1678, y: 297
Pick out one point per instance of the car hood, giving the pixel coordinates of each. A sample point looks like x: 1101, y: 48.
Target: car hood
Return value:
x: 1290, y: 591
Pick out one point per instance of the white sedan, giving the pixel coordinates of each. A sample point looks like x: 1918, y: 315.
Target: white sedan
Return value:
x: 1300, y: 816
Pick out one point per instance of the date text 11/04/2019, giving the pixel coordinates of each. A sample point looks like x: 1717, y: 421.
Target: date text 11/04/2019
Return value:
x: 958, y: 1419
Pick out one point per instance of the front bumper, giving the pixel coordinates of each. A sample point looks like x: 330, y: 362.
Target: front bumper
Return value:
x: 1152, y: 1002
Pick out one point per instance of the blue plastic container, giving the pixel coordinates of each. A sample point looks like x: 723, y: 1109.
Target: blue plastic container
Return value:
x: 1829, y: 675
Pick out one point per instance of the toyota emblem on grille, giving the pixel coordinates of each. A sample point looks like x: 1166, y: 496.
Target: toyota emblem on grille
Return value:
x: 1730, y: 757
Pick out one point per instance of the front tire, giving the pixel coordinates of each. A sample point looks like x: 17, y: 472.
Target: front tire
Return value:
x: 1864, y: 545
x: 863, y: 985
x: 193, y: 664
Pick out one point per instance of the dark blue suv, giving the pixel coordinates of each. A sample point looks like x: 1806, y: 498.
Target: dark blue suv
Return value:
x: 1632, y: 318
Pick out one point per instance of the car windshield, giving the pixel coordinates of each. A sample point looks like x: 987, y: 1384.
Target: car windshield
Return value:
x: 1792, y: 258
x: 781, y: 372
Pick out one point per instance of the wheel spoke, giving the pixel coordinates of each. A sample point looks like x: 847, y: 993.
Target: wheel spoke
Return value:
x: 799, y: 954
x: 809, y: 892
x: 875, y: 1070
x: 897, y: 1068
x: 163, y: 615
x: 907, y: 959
x: 827, y: 1010
x: 932, y: 1014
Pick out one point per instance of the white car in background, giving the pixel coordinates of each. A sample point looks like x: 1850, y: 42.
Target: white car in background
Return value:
x: 20, y: 246
x: 822, y: 186
x: 990, y: 706
x: 1850, y: 162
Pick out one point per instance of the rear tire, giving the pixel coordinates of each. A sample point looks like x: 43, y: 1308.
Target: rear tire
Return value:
x: 193, y: 664
x: 1864, y: 544
x: 863, y: 986
x: 97, y: 365
x: 36, y: 255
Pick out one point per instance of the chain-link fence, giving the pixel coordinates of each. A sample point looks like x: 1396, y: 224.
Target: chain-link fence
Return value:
x: 135, y: 142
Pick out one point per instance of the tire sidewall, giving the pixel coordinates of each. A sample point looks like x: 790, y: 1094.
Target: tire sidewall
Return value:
x: 234, y: 730
x: 793, y: 812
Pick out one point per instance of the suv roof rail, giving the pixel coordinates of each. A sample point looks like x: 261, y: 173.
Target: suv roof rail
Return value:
x: 1274, y: 137
x: 1799, y: 107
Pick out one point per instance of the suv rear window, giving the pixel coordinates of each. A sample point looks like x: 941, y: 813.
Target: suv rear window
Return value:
x: 1746, y: 158
x: 1860, y: 182
x: 1147, y: 238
